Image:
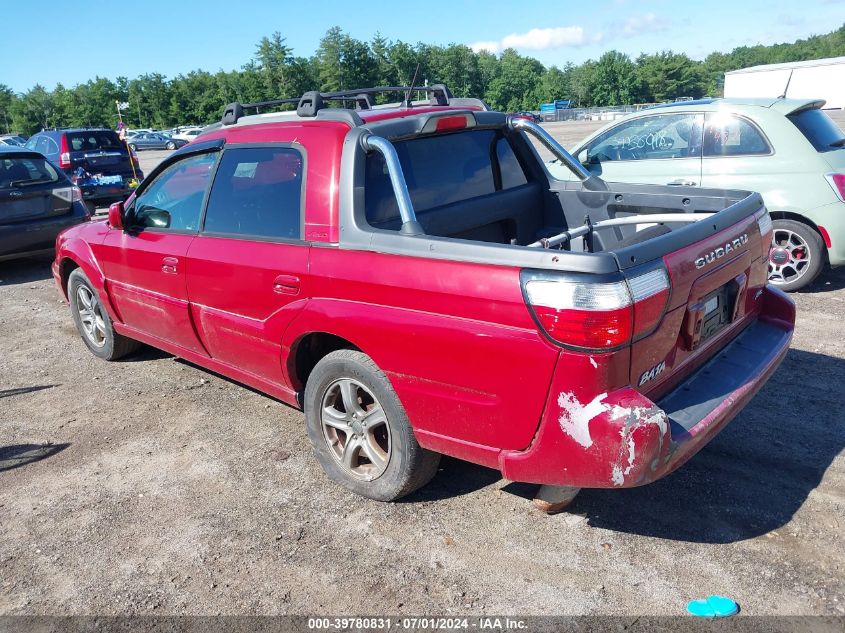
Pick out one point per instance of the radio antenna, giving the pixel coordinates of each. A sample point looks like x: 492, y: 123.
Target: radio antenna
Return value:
x: 408, y: 103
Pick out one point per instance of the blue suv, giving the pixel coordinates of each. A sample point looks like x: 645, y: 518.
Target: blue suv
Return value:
x: 95, y: 160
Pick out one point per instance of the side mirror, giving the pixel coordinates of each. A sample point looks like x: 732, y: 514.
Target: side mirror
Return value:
x: 153, y: 217
x: 116, y: 216
x: 584, y: 157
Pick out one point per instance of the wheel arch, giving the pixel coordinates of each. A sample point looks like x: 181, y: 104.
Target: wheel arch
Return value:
x: 308, y: 350
x: 66, y: 266
x: 797, y: 217
x: 77, y: 254
x: 803, y: 219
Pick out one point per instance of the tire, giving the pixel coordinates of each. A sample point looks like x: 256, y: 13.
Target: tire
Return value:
x: 133, y: 147
x: 399, y: 465
x: 170, y: 145
x: 796, y: 257
x: 93, y: 322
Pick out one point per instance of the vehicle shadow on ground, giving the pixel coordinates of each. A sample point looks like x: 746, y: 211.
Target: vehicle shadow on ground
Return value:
x: 454, y: 478
x: 22, y: 271
x: 753, y: 477
x: 828, y: 281
x: 18, y: 455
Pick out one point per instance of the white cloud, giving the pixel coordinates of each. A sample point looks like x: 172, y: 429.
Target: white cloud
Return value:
x: 647, y: 23
x: 490, y: 45
x: 540, y: 39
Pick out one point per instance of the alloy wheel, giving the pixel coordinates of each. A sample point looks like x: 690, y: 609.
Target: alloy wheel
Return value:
x: 91, y: 316
x: 789, y: 257
x: 355, y: 429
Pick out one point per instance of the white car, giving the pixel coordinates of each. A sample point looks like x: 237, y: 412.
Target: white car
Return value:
x: 188, y: 134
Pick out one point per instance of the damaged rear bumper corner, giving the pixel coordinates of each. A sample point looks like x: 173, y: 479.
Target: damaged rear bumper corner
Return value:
x: 623, y: 439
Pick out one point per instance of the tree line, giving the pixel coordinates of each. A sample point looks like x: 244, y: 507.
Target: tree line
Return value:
x: 507, y: 81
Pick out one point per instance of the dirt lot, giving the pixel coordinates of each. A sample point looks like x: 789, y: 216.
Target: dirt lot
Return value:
x: 152, y: 486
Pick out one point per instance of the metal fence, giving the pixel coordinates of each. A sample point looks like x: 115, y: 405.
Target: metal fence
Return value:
x: 609, y: 113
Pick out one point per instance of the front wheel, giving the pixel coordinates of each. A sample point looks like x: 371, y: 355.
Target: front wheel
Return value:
x: 359, y: 430
x: 93, y: 321
x: 171, y: 145
x: 133, y: 147
x: 796, y: 256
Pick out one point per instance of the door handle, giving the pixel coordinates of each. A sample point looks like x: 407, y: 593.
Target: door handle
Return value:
x: 168, y: 265
x: 286, y: 285
x: 680, y: 182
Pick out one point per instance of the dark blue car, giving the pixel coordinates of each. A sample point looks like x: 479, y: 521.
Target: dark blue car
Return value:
x: 37, y: 202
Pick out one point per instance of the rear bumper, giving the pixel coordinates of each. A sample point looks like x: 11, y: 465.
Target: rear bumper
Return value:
x: 37, y: 236
x: 832, y: 218
x: 623, y: 439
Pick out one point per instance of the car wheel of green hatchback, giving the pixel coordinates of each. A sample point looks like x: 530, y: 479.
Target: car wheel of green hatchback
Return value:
x: 796, y: 256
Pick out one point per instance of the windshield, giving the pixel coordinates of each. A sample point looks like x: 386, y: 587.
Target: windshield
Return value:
x: 93, y: 140
x: 819, y: 129
x: 24, y: 171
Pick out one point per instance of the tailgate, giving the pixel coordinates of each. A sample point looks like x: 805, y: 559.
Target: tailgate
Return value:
x: 716, y: 285
x: 35, y: 202
x: 105, y: 163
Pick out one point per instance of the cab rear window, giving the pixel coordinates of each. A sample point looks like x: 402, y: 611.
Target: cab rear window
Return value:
x: 93, y: 140
x: 819, y: 129
x: 441, y: 170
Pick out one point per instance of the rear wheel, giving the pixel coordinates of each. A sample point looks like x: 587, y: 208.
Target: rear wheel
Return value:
x: 93, y: 322
x: 171, y: 145
x: 796, y: 257
x: 133, y: 147
x: 359, y: 430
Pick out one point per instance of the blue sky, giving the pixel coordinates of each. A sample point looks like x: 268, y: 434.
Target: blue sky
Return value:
x: 87, y: 38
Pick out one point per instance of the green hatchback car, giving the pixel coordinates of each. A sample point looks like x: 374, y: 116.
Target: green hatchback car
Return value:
x: 789, y: 150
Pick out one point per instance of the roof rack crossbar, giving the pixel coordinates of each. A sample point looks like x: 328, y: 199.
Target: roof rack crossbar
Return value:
x: 311, y: 102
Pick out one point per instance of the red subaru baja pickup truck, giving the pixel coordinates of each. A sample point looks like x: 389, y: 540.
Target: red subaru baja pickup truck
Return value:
x: 414, y: 278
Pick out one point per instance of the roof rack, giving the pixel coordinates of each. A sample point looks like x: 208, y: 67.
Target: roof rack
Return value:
x: 310, y: 103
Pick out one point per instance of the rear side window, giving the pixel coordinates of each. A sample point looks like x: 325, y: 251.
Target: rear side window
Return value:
x: 819, y: 129
x: 42, y: 145
x: 24, y: 172
x: 93, y: 140
x: 257, y: 192
x: 729, y: 135
x: 441, y: 170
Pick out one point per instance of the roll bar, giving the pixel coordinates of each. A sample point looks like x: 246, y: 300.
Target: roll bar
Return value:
x: 551, y: 144
x: 410, y: 226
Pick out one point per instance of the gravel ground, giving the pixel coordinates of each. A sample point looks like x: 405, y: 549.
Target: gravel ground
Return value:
x: 153, y: 486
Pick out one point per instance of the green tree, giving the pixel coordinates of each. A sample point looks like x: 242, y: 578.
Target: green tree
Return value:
x: 667, y: 75
x: 615, y: 80
x: 33, y: 110
x: 517, y: 83
x: 555, y: 84
x: 7, y: 96
x: 274, y: 59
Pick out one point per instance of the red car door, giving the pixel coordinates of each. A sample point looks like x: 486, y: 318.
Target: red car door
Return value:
x: 247, y: 269
x: 145, y: 264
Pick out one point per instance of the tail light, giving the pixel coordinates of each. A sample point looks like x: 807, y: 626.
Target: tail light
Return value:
x: 582, y: 313
x: 76, y: 195
x: 764, y: 223
x: 837, y: 181
x: 447, y: 123
x: 134, y: 157
x: 64, y: 156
